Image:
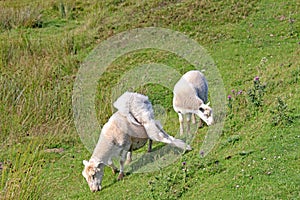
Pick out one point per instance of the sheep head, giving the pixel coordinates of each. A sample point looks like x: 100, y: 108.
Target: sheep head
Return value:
x: 93, y: 173
x: 205, y: 113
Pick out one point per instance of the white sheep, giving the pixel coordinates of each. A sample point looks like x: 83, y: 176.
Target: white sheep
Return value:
x: 190, y: 98
x: 127, y: 129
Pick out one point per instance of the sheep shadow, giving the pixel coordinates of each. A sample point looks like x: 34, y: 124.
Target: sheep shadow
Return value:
x: 158, y: 158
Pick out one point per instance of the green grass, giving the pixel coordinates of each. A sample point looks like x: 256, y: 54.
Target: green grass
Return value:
x: 43, y: 43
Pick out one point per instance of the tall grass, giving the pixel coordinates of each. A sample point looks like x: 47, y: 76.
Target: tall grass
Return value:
x: 27, y: 17
x: 20, y: 177
x: 36, y: 76
x: 35, y: 88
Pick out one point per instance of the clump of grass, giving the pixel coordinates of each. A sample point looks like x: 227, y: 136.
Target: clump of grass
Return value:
x: 62, y: 9
x: 243, y: 106
x: 168, y: 185
x: 28, y: 17
x: 20, y: 176
x: 253, y: 98
x: 282, y: 115
x: 69, y: 9
x: 252, y: 102
x: 236, y: 104
x: 295, y: 76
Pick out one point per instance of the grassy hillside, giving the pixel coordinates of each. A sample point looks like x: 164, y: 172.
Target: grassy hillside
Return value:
x: 255, y: 45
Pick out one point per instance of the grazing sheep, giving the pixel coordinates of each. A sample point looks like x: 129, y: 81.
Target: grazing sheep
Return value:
x: 127, y: 129
x: 190, y: 95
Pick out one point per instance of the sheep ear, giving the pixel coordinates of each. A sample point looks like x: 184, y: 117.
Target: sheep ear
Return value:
x: 85, y: 162
x: 205, y: 106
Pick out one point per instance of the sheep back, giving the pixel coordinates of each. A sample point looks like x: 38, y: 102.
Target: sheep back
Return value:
x: 135, y: 107
x: 197, y: 81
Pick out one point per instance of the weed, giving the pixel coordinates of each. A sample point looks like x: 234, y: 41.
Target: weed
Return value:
x: 244, y: 106
x: 170, y: 185
x: 229, y: 103
x: 238, y: 109
x: 252, y: 101
x: 256, y: 93
x: 295, y: 76
x: 282, y: 115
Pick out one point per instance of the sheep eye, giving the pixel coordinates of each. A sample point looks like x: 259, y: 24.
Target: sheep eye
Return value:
x: 201, y: 109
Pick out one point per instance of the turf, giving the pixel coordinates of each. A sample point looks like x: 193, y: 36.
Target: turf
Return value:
x: 44, y: 43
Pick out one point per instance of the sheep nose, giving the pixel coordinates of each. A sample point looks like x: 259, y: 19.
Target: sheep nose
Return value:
x: 95, y: 189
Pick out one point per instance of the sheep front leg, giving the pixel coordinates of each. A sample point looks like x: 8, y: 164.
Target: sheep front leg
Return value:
x: 113, y: 167
x: 194, y: 118
x: 188, y: 121
x: 200, y: 125
x: 181, y: 120
x: 122, y: 161
x: 194, y: 121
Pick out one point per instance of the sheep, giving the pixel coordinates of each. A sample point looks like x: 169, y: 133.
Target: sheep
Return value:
x: 190, y: 97
x: 127, y: 129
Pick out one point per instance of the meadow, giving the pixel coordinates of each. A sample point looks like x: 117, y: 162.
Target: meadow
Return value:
x: 255, y: 46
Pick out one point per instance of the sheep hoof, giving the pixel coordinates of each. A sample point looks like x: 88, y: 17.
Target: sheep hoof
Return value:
x: 120, y: 177
x: 188, y: 148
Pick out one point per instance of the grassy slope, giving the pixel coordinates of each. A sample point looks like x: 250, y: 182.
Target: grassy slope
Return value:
x: 254, y: 160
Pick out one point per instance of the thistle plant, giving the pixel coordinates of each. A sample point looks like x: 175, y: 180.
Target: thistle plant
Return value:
x: 282, y: 115
x: 256, y: 93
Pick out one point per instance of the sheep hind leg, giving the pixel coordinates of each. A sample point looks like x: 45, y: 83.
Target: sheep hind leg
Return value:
x: 150, y: 146
x: 129, y: 156
x: 122, y: 161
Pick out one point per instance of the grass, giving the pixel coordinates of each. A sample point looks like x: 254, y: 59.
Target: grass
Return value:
x: 41, y: 49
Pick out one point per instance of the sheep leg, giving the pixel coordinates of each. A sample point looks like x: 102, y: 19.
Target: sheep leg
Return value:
x: 188, y: 121
x: 129, y: 156
x: 150, y: 146
x: 200, y: 125
x: 181, y: 120
x: 193, y: 118
x: 112, y: 166
x: 122, y: 161
x: 194, y: 121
